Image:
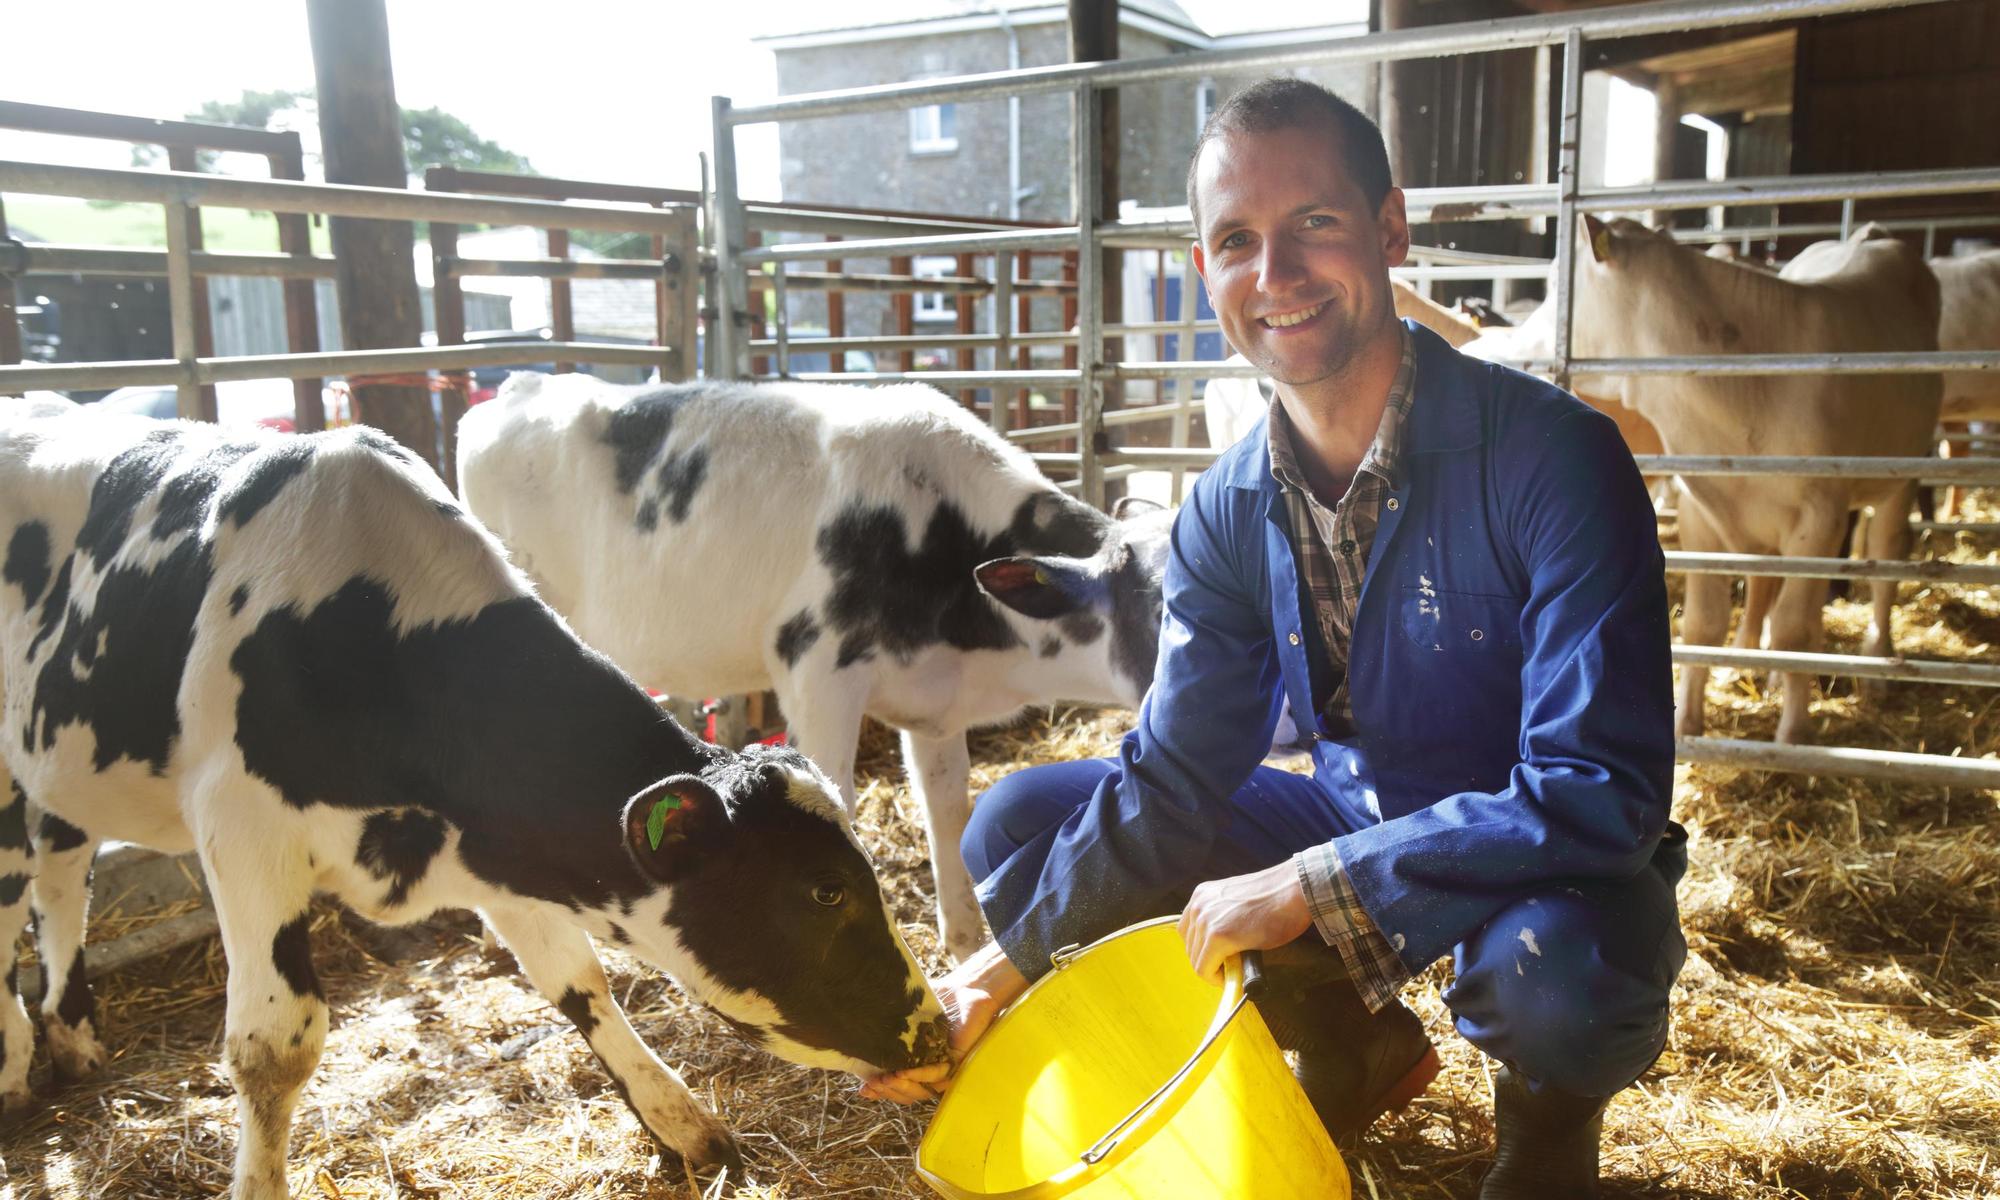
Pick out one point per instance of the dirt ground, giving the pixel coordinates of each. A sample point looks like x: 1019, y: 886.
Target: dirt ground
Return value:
x: 1836, y: 1031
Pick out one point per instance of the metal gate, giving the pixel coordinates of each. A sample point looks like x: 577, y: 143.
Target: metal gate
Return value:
x: 737, y: 257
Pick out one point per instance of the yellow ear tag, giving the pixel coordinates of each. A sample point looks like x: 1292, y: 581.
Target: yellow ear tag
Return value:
x: 1041, y: 578
x: 656, y: 821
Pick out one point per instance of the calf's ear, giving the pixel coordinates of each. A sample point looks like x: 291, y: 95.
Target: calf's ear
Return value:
x: 1128, y: 507
x: 1042, y: 588
x: 1600, y: 238
x: 667, y: 824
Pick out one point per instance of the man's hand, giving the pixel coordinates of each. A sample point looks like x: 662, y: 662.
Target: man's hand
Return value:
x: 1244, y: 912
x: 973, y: 993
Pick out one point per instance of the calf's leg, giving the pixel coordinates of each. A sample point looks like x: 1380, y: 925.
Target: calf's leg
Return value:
x: 940, y: 772
x: 823, y: 716
x: 17, y: 871
x: 63, y: 855
x: 276, y: 1021
x: 559, y: 960
x: 1704, y: 617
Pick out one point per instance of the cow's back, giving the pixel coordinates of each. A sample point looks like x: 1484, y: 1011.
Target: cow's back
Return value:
x: 675, y: 526
x: 142, y: 554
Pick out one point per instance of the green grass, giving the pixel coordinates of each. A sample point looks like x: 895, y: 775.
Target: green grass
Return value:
x: 80, y: 223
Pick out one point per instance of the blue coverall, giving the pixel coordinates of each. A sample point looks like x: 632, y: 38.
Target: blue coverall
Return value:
x: 1503, y: 793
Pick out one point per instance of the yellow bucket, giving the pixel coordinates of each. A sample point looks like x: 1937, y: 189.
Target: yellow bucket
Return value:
x: 1122, y: 1073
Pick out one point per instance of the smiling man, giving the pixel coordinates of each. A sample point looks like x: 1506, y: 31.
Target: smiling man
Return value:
x: 1452, y: 568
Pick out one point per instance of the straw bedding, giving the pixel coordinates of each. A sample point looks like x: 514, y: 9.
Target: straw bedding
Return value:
x: 1836, y: 1031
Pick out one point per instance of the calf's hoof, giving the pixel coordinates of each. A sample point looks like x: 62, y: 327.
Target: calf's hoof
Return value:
x: 715, y: 1150
x: 74, y: 1051
x: 15, y: 1102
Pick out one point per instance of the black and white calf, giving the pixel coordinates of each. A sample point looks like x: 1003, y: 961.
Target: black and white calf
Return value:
x: 300, y: 658
x: 858, y: 550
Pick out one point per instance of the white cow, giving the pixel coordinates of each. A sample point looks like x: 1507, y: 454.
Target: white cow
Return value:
x: 299, y: 658
x: 860, y: 551
x: 1639, y: 292
x: 1970, y: 288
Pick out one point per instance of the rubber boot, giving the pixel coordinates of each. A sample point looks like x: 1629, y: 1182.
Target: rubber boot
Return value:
x: 1545, y: 1143
x: 1353, y: 1065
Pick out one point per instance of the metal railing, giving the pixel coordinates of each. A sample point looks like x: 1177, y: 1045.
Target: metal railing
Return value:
x: 180, y: 192
x: 1564, y: 199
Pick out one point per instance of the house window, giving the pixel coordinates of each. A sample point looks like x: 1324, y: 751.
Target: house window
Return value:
x: 934, y: 306
x: 934, y: 129
x: 1206, y: 97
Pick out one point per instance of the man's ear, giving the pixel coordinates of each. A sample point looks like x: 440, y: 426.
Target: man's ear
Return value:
x: 1393, y: 219
x: 667, y: 825
x: 1599, y: 236
x: 1042, y: 588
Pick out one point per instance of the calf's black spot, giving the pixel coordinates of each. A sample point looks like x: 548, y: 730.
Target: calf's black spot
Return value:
x: 502, y: 726
x: 11, y: 888
x: 576, y: 1006
x: 77, y: 1004
x: 237, y: 599
x: 60, y: 835
x: 797, y: 636
x: 681, y: 476
x: 277, y: 466
x: 398, y: 846
x: 1051, y: 646
x: 637, y: 432
x: 14, y: 820
x: 291, y: 954
x: 184, y: 497
x: 28, y: 565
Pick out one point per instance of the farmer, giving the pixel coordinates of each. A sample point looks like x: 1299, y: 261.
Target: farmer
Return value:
x: 1450, y: 571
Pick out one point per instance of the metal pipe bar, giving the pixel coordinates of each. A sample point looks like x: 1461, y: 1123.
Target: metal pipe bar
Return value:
x: 1792, y: 189
x: 729, y: 328
x: 1474, y: 273
x: 1060, y: 238
x: 1163, y: 458
x: 112, y: 260
x: 1934, y: 770
x: 1982, y: 528
x: 830, y: 281
x: 333, y: 199
x: 1465, y: 37
x: 1860, y: 666
x: 1070, y: 461
x: 1123, y: 416
x: 939, y: 379
x: 775, y: 218
x: 305, y: 366
x: 1878, y: 363
x: 1568, y: 158
x: 1179, y: 370
x: 1731, y: 233
x: 1086, y: 193
x: 1790, y: 567
x: 943, y: 341
x: 1943, y: 470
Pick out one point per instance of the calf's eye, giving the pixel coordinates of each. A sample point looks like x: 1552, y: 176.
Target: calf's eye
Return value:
x: 829, y: 894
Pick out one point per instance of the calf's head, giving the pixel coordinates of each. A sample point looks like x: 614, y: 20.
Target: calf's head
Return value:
x: 773, y: 917
x: 1102, y: 611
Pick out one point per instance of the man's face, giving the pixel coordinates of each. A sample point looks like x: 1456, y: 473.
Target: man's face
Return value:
x: 1295, y: 260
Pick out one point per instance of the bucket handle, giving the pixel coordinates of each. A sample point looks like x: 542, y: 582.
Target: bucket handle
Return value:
x: 1253, y: 983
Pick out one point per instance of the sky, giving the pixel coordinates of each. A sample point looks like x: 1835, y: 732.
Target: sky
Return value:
x: 611, y: 90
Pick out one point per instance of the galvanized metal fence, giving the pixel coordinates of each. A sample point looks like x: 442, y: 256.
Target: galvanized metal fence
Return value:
x: 1095, y: 457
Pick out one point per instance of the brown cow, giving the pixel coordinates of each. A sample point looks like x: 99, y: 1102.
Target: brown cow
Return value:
x: 1640, y: 293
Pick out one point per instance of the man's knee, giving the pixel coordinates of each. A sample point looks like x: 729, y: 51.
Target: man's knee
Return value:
x: 1020, y: 807
x: 1571, y: 989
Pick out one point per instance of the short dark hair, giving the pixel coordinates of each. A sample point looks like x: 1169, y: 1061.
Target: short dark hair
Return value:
x: 1284, y: 103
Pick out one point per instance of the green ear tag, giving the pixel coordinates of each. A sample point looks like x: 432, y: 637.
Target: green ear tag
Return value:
x: 656, y: 821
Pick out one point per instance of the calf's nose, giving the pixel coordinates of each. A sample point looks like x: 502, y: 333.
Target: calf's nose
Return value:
x: 933, y: 1043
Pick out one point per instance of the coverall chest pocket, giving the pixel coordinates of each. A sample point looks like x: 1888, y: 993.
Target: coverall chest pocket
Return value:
x: 1461, y: 622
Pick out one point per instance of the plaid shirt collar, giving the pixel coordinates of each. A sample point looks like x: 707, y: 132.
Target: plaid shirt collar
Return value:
x: 1385, y: 454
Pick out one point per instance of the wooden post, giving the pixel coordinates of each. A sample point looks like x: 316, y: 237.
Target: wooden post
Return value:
x: 562, y: 317
x: 904, y: 306
x: 361, y: 135
x: 182, y: 158
x: 836, y: 316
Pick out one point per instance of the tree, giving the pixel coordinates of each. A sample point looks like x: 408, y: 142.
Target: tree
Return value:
x: 431, y: 136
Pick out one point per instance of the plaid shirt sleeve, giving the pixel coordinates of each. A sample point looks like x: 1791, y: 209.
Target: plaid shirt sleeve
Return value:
x: 1371, y: 962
